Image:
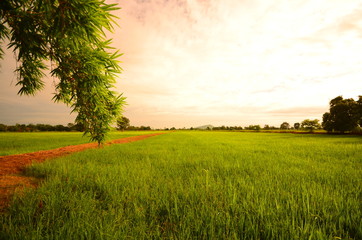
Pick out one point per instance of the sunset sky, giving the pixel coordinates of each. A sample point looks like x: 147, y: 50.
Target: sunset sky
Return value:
x: 233, y: 62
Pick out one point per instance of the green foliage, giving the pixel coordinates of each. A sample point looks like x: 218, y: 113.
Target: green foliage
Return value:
x: 344, y: 115
x: 122, y: 123
x: 231, y: 128
x: 71, y: 35
x: 310, y: 125
x: 39, y: 127
x: 253, y: 127
x: 285, y: 125
x: 197, y: 185
x: 359, y: 111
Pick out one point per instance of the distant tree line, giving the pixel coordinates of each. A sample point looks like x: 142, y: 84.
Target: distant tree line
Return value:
x: 122, y: 124
x: 307, y: 124
x: 345, y: 115
x: 228, y: 128
x: 41, y: 128
x: 141, y: 128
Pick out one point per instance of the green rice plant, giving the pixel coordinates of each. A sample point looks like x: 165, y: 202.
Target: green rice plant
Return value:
x: 197, y: 185
x: 24, y: 142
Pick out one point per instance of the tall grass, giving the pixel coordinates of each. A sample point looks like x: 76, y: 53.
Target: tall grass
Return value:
x: 197, y: 185
x: 16, y: 143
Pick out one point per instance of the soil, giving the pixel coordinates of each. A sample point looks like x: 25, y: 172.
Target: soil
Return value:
x: 12, y: 166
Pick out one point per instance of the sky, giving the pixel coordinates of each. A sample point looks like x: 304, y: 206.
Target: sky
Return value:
x: 189, y: 63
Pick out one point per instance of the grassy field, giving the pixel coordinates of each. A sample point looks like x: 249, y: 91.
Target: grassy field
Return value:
x: 197, y: 185
x: 16, y: 143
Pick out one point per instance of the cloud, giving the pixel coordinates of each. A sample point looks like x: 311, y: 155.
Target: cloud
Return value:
x: 212, y: 57
x: 236, y: 61
x: 34, y: 110
x: 305, y: 112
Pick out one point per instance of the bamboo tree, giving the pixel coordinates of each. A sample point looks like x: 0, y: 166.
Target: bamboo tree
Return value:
x: 70, y: 34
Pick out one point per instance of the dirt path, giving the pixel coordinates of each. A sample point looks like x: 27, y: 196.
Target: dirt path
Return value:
x: 11, y: 166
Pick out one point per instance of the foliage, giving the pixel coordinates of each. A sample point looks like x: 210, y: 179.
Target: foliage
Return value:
x: 142, y: 128
x: 268, y: 127
x: 40, y: 128
x: 359, y: 111
x: 253, y: 127
x: 197, y: 185
x: 296, y: 126
x: 344, y: 114
x: 71, y: 35
x: 285, y: 125
x: 227, y: 128
x: 122, y: 123
x: 310, y: 125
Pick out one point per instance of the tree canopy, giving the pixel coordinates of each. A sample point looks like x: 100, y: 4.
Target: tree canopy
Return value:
x: 284, y: 125
x: 123, y: 123
x: 70, y: 36
x: 310, y: 125
x: 344, y: 114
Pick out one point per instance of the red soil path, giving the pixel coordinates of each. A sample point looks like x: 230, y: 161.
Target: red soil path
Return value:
x: 11, y: 166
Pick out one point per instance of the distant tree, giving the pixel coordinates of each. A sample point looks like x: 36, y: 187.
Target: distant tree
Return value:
x: 71, y: 126
x: 60, y: 128
x: 123, y: 123
x: 11, y: 128
x: 344, y: 115
x: 327, y: 122
x: 284, y: 125
x: 310, y: 125
x: 44, y: 127
x: 253, y: 127
x: 79, y: 127
x: 296, y: 126
x: 359, y: 111
x: 35, y: 127
x: 31, y: 128
x: 21, y: 127
x: 266, y: 127
x: 3, y: 127
x: 131, y: 128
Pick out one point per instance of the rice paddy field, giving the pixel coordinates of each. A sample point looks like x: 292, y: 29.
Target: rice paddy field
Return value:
x: 197, y: 185
x: 24, y: 142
